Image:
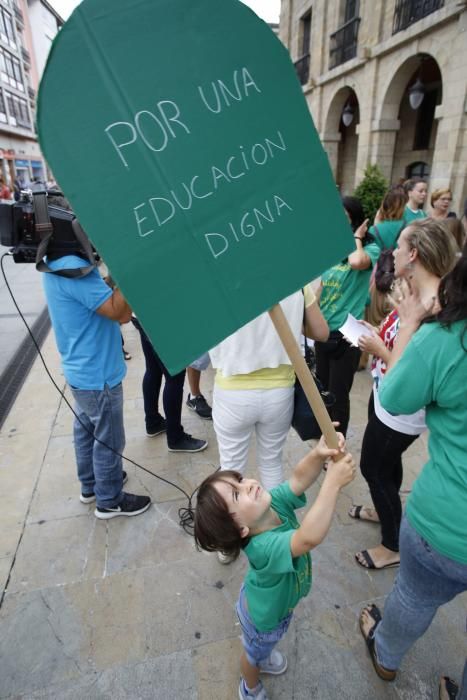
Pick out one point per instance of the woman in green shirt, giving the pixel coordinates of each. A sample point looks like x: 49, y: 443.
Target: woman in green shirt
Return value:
x: 416, y: 191
x: 344, y: 290
x: 428, y: 369
x: 389, y: 223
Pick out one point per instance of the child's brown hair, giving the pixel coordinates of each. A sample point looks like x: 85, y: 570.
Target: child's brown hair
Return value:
x: 214, y: 527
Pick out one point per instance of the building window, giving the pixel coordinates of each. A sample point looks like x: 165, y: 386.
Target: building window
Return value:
x: 424, y: 124
x: 18, y: 111
x: 3, y: 117
x: 408, y: 12
x: 351, y: 10
x: 302, y: 66
x: 10, y: 69
x: 418, y: 169
x: 306, y: 33
x: 7, y: 32
x: 344, y: 43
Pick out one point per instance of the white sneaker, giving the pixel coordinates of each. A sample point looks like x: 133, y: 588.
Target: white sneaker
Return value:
x: 275, y: 664
x: 259, y: 695
x: 225, y: 558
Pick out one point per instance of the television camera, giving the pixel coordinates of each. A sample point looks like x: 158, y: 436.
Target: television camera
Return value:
x: 41, y: 224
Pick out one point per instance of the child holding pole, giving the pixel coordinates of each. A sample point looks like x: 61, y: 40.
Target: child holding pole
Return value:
x: 235, y: 513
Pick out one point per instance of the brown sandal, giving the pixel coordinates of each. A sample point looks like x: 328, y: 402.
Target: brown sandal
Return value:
x: 452, y: 689
x: 386, y: 674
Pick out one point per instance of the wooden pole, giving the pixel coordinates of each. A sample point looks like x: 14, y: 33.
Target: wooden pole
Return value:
x: 304, y: 375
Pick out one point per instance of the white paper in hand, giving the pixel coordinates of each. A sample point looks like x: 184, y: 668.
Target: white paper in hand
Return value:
x: 352, y: 330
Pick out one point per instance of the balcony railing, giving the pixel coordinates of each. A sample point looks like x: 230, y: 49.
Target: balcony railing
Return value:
x: 344, y: 43
x: 26, y: 55
x: 31, y: 92
x: 302, y: 66
x: 408, y: 12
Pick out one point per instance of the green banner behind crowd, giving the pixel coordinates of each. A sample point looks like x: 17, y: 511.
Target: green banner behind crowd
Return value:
x: 179, y: 132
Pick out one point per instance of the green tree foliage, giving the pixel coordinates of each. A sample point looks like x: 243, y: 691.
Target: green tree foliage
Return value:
x: 371, y: 191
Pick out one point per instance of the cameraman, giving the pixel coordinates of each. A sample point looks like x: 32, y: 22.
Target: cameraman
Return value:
x: 86, y: 315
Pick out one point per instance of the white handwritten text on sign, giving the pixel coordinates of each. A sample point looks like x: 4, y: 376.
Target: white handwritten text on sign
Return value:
x: 155, y: 131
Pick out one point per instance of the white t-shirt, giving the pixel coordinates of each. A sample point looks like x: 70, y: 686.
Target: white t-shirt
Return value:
x: 257, y: 345
x: 412, y: 424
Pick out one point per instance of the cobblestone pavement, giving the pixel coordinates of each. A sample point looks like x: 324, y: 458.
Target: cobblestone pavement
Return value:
x: 128, y: 608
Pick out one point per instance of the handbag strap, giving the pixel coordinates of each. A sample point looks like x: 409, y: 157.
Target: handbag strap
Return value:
x: 378, y: 236
x: 380, y: 240
x: 309, y: 350
x: 404, y: 224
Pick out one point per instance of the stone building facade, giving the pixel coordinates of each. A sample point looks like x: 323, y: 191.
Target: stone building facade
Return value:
x: 361, y: 64
x: 27, y: 29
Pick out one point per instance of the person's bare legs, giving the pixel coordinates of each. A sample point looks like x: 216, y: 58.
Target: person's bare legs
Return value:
x: 194, y: 377
x: 365, y: 513
x: 250, y: 674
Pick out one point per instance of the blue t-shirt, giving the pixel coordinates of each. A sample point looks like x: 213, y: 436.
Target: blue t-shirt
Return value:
x: 89, y: 344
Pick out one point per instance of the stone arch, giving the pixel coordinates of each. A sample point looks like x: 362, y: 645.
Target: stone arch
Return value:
x: 396, y: 85
x: 336, y: 105
x: 402, y: 135
x: 341, y: 141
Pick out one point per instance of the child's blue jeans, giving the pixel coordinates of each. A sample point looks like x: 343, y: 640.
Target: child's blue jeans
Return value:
x: 258, y: 645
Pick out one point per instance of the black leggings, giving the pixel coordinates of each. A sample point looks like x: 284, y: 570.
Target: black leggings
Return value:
x: 172, y: 396
x: 336, y: 364
x: 381, y: 465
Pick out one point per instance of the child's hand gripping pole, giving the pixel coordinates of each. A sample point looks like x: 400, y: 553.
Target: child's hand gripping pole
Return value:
x: 303, y: 373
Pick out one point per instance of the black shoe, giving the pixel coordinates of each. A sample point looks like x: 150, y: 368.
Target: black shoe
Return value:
x: 157, y: 428
x: 188, y: 444
x: 200, y: 406
x: 91, y: 497
x: 129, y: 505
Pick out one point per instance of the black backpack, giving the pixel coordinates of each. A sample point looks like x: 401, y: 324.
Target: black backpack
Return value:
x: 384, y: 267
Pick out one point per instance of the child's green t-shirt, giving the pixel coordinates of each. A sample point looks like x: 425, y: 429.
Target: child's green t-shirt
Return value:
x: 432, y: 372
x: 276, y: 581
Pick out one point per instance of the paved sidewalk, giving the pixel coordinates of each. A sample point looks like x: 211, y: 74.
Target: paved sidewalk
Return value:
x: 26, y: 285
x: 128, y: 609
x: 17, y: 352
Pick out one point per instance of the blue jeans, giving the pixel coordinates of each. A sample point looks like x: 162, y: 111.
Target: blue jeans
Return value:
x: 426, y: 580
x: 258, y: 645
x: 100, y: 469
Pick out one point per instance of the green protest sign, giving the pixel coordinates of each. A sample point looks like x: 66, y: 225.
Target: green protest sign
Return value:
x: 179, y: 132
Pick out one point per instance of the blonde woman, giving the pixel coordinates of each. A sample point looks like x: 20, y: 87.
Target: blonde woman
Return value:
x: 426, y: 251
x: 440, y: 201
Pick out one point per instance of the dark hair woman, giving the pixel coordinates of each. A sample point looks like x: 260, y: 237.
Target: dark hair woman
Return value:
x: 344, y: 290
x: 416, y: 190
x: 428, y: 368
